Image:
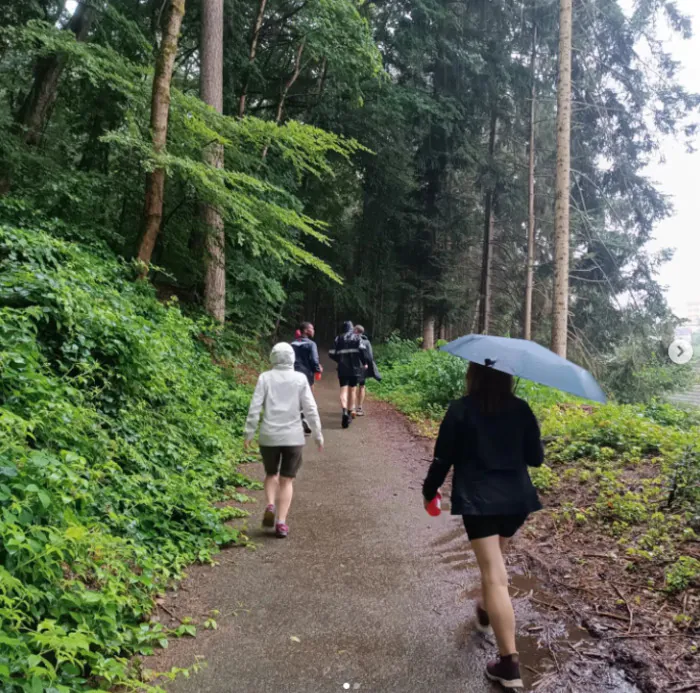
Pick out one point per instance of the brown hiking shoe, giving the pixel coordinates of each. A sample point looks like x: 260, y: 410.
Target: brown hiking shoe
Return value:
x: 483, y: 623
x: 506, y: 671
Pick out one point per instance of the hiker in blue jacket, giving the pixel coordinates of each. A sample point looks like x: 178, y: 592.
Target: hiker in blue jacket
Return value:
x: 306, y: 359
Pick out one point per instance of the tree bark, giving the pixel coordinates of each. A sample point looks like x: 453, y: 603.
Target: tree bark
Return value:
x: 560, y: 310
x: 160, y: 111
x: 251, y: 55
x: 428, y: 328
x: 212, y: 93
x: 34, y: 113
x: 529, y: 278
x: 487, y: 248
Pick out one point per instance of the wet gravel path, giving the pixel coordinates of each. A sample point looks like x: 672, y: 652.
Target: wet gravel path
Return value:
x: 368, y: 593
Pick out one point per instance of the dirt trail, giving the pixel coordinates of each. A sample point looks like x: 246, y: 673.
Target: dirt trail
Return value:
x: 368, y: 593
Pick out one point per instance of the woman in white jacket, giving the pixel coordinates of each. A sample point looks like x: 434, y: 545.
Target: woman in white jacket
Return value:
x: 282, y: 394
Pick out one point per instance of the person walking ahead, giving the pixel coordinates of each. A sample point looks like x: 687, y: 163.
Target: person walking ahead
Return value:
x: 490, y: 437
x: 306, y: 353
x: 282, y: 395
x: 371, y: 371
x: 350, y: 353
x: 306, y: 359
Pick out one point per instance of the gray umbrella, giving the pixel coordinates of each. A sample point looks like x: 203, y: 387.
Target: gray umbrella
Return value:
x: 529, y: 360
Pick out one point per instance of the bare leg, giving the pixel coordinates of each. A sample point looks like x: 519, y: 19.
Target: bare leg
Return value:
x: 494, y: 586
x: 361, y: 396
x: 352, y: 395
x: 505, y: 545
x: 285, y: 498
x: 271, y: 486
x: 344, y: 397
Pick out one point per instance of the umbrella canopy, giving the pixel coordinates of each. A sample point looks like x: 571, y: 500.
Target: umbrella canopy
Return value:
x: 529, y: 360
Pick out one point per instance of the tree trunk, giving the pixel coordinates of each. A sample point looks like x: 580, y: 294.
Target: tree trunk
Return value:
x: 212, y: 93
x: 36, y: 108
x: 486, y: 263
x: 160, y: 110
x: 560, y: 310
x: 487, y: 248
x: 529, y: 279
x: 288, y: 85
x: 251, y: 55
x: 428, y: 328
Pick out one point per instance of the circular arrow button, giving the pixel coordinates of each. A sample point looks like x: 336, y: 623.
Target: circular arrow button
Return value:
x: 680, y: 352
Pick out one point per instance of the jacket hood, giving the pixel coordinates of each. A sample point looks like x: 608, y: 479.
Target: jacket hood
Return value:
x: 282, y: 355
x: 347, y: 326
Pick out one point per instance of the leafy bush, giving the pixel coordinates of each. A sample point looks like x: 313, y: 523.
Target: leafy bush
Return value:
x: 543, y: 478
x: 116, y: 433
x: 684, y: 573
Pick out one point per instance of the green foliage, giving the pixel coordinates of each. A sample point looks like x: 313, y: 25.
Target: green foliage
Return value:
x: 684, y: 573
x: 116, y: 434
x: 637, y: 374
x: 544, y: 478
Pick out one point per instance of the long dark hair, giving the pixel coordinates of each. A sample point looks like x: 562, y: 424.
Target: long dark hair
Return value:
x: 492, y: 389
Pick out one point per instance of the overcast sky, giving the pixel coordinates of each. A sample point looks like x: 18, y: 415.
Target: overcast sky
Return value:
x: 678, y: 177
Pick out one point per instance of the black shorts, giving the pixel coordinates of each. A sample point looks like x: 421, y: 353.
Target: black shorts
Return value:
x: 284, y: 460
x: 361, y: 382
x: 482, y: 526
x: 348, y: 380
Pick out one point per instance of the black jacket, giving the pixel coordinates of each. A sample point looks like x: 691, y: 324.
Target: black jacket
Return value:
x: 306, y: 357
x: 350, y: 353
x: 371, y: 371
x: 490, y: 454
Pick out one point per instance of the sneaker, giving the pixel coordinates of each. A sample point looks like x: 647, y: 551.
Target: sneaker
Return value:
x: 506, y: 671
x: 282, y: 530
x: 269, y: 516
x: 346, y: 419
x: 483, y: 623
x: 360, y: 411
x: 353, y: 413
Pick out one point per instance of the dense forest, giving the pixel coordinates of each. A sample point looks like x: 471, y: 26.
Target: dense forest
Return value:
x: 392, y: 162
x: 424, y: 167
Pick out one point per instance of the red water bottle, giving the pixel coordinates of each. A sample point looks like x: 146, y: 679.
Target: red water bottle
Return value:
x: 317, y: 376
x: 434, y: 506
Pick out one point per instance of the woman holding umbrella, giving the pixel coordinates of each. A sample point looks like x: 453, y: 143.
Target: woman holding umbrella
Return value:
x: 490, y: 437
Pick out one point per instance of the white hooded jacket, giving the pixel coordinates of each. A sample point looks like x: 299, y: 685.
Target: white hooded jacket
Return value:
x: 282, y: 394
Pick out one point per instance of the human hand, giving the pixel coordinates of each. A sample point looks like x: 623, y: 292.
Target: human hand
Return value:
x: 247, y: 444
x: 319, y: 445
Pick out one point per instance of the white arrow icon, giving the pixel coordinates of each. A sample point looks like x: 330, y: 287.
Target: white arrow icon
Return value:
x: 680, y: 352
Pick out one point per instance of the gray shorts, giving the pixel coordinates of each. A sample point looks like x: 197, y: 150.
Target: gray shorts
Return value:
x: 284, y: 460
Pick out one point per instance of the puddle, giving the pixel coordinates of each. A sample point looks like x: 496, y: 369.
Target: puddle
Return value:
x: 557, y: 655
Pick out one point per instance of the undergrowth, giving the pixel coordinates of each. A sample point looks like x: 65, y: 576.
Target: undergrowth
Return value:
x: 117, y: 434
x: 632, y: 472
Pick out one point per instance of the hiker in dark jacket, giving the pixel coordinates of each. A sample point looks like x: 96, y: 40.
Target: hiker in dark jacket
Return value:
x: 350, y: 353
x: 306, y: 353
x: 306, y: 359
x: 490, y: 437
x: 371, y: 371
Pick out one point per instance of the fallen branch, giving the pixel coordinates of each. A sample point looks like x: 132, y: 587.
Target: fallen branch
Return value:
x: 633, y: 636
x: 629, y: 608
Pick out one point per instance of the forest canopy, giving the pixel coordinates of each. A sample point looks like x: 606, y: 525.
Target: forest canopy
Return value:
x: 278, y: 160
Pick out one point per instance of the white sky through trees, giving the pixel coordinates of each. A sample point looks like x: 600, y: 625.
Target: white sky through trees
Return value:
x: 676, y: 172
x: 677, y: 176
